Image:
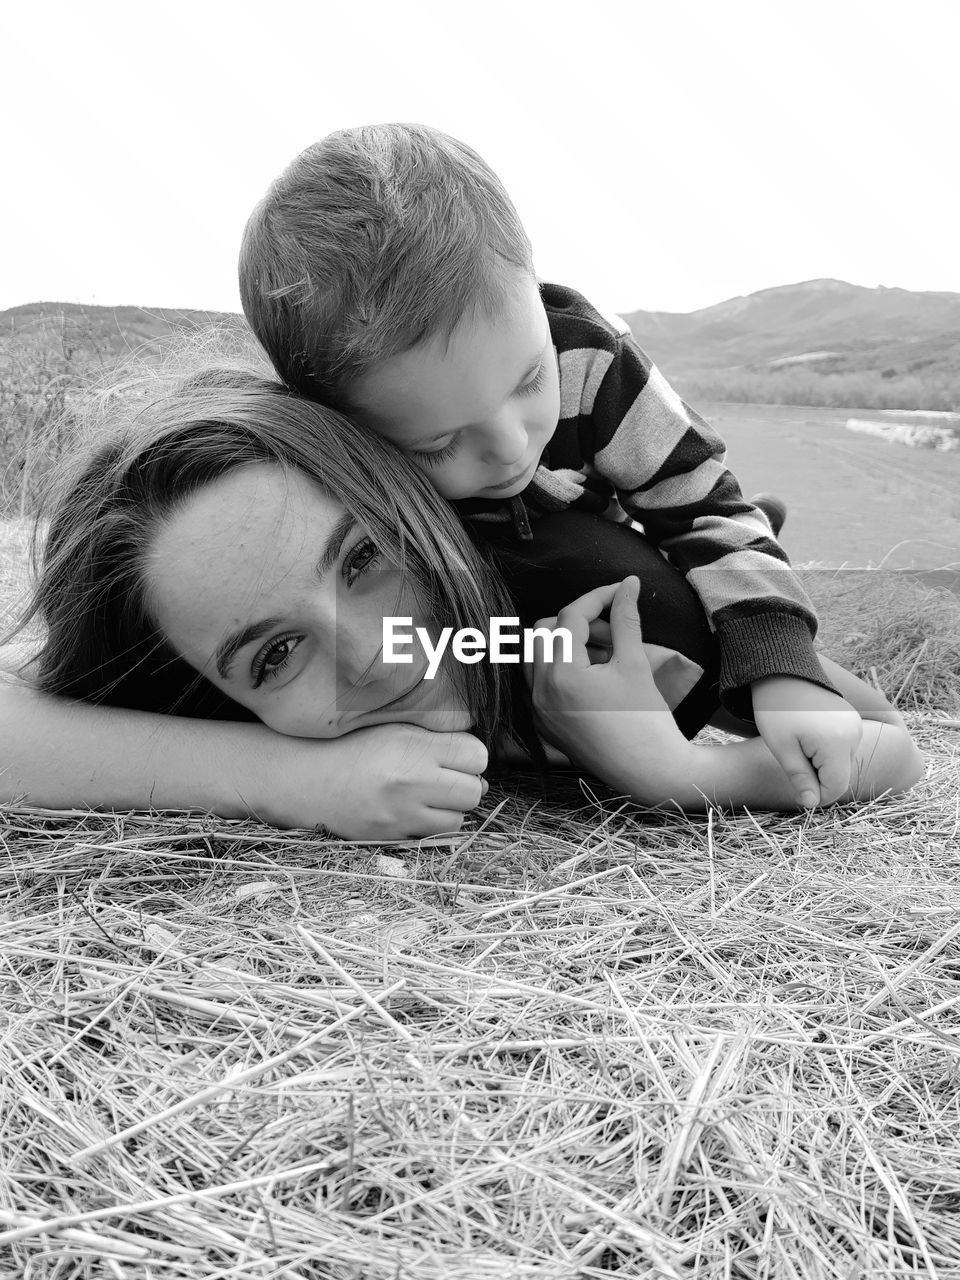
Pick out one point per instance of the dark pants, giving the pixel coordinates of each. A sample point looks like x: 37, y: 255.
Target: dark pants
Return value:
x: 573, y: 552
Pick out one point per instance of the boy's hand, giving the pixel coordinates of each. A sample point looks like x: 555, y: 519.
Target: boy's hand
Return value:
x: 812, y: 733
x: 388, y: 782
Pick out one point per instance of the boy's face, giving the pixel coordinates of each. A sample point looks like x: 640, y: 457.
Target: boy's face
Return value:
x: 476, y: 413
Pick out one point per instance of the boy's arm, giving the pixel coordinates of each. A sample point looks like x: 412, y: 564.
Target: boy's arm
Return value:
x: 666, y: 464
x: 389, y: 782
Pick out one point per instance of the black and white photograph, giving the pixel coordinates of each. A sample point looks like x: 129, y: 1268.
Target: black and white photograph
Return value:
x: 480, y: 641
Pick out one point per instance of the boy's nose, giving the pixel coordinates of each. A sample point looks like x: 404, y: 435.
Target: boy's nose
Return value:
x: 505, y: 440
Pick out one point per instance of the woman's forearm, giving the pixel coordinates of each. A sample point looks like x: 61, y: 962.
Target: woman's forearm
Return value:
x: 745, y: 774
x: 392, y: 781
x: 61, y: 754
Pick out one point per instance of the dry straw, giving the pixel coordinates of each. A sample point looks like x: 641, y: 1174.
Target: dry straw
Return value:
x: 577, y: 1040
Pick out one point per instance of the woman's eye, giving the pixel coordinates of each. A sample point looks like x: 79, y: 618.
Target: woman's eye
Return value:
x: 360, y: 560
x: 273, y: 658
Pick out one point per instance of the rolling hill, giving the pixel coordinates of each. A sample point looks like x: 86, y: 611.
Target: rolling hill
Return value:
x: 79, y: 335
x: 827, y: 326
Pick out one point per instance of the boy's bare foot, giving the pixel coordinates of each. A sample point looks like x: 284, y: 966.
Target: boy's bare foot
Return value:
x: 774, y: 508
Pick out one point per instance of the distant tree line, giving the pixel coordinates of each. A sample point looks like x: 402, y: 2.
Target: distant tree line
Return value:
x: 860, y: 390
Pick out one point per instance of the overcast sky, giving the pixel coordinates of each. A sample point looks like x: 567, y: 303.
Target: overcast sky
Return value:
x: 663, y: 155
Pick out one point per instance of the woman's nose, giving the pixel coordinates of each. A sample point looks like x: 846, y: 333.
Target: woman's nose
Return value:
x: 360, y: 631
x: 505, y: 439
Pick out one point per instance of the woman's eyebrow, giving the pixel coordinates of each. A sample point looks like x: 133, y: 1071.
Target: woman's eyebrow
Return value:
x: 230, y: 646
x: 330, y: 553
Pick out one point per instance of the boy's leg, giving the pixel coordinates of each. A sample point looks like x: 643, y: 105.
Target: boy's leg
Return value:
x: 774, y: 508
x: 573, y: 552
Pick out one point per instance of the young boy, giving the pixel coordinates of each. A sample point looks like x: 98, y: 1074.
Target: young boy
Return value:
x: 386, y: 272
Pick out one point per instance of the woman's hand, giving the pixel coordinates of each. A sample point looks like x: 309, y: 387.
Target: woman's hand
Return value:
x: 387, y: 782
x: 603, y: 708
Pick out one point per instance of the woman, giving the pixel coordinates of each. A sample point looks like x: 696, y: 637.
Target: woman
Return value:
x: 231, y: 554
x: 99, y: 739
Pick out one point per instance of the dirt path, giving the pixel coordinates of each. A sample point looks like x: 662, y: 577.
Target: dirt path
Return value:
x: 854, y: 499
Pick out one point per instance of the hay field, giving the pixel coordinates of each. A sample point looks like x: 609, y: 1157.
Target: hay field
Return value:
x: 577, y: 1040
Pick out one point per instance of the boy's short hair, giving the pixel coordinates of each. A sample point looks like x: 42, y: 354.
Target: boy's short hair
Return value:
x: 372, y: 241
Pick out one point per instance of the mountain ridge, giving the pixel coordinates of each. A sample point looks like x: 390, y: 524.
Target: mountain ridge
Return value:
x: 806, y: 331
x: 852, y: 328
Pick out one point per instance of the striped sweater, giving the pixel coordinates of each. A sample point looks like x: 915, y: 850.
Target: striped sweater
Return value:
x: 627, y: 445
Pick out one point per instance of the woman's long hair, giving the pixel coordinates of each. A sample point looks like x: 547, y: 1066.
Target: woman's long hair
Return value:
x: 101, y: 643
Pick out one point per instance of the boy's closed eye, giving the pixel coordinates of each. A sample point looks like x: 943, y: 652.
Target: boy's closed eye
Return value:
x: 445, y: 447
x: 533, y: 384
x: 433, y: 457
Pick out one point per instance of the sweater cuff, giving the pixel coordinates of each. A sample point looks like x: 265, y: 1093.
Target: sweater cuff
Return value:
x: 764, y: 644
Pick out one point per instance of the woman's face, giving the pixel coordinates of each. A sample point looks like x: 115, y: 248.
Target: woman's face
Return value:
x: 269, y: 589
